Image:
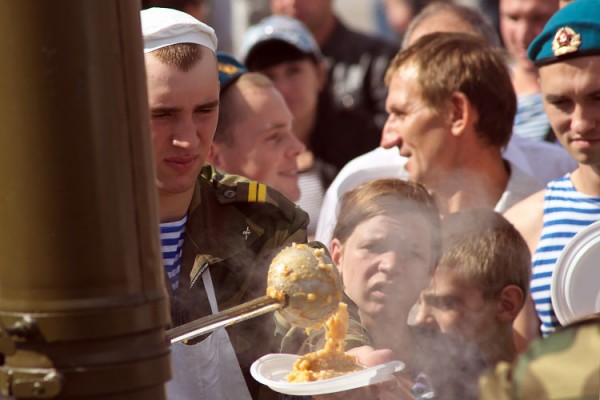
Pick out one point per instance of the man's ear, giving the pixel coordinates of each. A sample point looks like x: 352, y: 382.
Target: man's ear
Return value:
x: 510, y: 303
x: 462, y: 113
x: 336, y: 253
x: 214, y: 155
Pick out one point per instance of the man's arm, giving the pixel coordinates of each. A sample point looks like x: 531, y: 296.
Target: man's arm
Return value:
x: 527, y: 217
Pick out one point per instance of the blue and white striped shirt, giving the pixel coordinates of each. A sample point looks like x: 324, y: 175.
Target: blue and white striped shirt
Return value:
x: 566, y: 213
x: 171, y: 243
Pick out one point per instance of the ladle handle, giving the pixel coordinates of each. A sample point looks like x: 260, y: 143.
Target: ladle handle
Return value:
x: 224, y: 318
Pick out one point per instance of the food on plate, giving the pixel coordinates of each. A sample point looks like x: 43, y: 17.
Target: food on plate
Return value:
x: 331, y: 361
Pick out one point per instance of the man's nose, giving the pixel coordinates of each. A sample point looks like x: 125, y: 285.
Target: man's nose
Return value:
x: 424, y: 318
x: 186, y: 134
x: 583, y: 120
x: 525, y: 32
x: 387, y: 262
x: 390, y: 136
x: 296, y: 146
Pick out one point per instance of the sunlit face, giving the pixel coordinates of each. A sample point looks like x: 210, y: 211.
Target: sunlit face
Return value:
x: 300, y: 83
x: 184, y: 110
x: 421, y: 133
x: 313, y: 13
x: 453, y: 306
x: 521, y: 21
x: 264, y: 148
x: 385, y: 263
x: 571, y: 93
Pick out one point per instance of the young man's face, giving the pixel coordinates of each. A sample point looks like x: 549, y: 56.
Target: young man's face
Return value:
x: 521, y: 21
x: 453, y: 306
x: 571, y: 94
x: 385, y: 263
x: 264, y: 147
x: 184, y: 109
x: 421, y: 133
x: 300, y: 83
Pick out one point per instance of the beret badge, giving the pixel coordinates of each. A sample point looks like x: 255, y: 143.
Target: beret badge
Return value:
x: 566, y: 41
x: 228, y: 69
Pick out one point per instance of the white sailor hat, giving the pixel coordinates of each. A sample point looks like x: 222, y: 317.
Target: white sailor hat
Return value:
x: 163, y: 27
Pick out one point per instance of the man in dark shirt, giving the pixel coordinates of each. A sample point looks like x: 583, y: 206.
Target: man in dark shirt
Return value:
x: 356, y: 62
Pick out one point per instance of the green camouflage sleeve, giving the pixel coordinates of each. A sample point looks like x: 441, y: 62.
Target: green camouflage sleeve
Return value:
x: 565, y: 365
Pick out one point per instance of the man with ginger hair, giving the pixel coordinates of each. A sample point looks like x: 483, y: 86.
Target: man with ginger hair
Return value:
x: 480, y: 283
x: 451, y: 107
x: 540, y: 160
x: 218, y: 231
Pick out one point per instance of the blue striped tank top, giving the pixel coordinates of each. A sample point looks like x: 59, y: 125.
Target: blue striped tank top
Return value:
x: 566, y: 213
x: 171, y: 243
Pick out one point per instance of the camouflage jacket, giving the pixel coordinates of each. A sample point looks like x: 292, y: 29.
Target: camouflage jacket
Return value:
x: 235, y: 226
x: 565, y: 365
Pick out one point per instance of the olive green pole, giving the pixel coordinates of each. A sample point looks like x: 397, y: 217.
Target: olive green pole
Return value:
x: 82, y: 301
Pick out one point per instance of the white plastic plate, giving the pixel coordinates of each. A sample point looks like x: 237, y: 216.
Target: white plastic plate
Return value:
x: 575, y: 285
x: 272, y: 369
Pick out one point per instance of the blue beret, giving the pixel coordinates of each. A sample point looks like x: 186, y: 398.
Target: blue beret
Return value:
x: 229, y: 69
x: 573, y: 31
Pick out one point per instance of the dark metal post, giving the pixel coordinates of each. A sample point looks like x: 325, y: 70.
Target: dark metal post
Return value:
x: 82, y: 302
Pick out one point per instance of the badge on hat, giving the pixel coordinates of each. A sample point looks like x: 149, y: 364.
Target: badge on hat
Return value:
x: 565, y: 41
x: 228, y: 69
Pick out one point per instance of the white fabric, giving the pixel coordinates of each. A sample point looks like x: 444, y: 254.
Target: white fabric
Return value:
x: 163, y: 27
x: 542, y: 160
x: 207, y: 370
x: 528, y: 158
x: 376, y: 164
x: 520, y: 186
x: 311, y: 197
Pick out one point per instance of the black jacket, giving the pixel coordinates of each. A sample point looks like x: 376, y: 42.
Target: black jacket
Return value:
x: 355, y: 93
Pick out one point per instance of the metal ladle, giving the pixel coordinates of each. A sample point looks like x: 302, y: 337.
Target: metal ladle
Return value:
x: 302, y: 283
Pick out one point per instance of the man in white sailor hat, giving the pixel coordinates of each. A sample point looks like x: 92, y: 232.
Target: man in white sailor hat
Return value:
x: 218, y: 231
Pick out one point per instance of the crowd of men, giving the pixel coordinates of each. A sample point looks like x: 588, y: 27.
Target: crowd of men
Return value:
x: 249, y: 151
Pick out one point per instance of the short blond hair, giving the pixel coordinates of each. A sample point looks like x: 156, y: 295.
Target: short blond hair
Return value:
x: 231, y: 112
x: 182, y: 56
x: 449, y: 62
x: 486, y: 250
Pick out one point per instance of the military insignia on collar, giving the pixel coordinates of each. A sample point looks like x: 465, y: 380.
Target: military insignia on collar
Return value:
x: 565, y: 41
x: 246, y: 233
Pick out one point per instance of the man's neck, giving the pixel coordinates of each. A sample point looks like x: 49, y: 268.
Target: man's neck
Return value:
x: 172, y: 207
x: 501, y: 347
x: 479, y: 184
x: 525, y: 78
x: 586, y: 180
